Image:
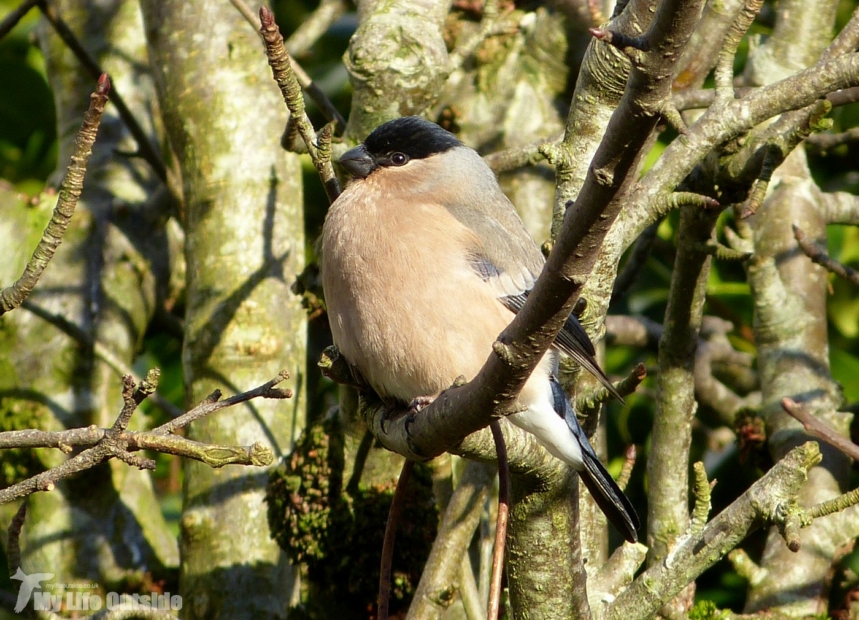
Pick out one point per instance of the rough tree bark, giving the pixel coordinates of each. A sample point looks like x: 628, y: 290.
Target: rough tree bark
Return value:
x: 244, y: 244
x: 107, y: 278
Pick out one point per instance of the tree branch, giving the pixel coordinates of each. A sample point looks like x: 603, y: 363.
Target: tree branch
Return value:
x: 284, y: 74
x: 116, y: 442
x: 145, y: 149
x: 70, y: 191
x: 443, y: 568
x: 819, y: 256
x: 757, y: 506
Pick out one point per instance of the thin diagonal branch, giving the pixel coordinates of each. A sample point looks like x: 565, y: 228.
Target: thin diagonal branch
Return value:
x: 818, y: 429
x: 311, y: 29
x: 281, y: 67
x: 213, y: 403
x: 11, y: 20
x: 70, y: 191
x: 145, y: 149
x: 819, y: 256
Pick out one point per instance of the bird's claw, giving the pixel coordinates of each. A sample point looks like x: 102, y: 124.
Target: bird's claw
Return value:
x: 420, y: 403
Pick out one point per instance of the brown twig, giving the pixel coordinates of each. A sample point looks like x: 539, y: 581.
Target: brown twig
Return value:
x: 386, y: 568
x: 145, y: 149
x: 494, y: 607
x: 281, y: 67
x: 11, y: 20
x: 311, y: 29
x: 819, y: 429
x: 70, y: 190
x: 628, y: 463
x: 116, y: 442
x: 133, y: 395
x: 213, y: 403
x: 819, y: 256
x: 13, y: 545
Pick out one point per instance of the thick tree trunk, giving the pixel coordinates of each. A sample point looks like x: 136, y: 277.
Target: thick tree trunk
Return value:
x: 107, y: 278
x: 245, y: 243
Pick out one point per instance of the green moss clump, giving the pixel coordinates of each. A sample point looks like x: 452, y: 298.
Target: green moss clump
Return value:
x: 707, y: 610
x: 337, y: 533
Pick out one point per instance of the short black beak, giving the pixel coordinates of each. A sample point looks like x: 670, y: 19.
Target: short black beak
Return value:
x: 358, y: 162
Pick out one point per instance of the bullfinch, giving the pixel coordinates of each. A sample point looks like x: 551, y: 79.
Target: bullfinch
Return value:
x: 424, y: 263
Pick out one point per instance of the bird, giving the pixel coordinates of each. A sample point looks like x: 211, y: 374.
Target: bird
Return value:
x: 424, y: 262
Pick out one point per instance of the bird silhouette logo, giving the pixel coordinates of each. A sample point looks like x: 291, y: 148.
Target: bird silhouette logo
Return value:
x: 28, y: 584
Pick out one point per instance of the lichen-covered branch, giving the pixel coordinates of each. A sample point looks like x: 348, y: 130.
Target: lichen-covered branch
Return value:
x: 319, y: 146
x: 441, y: 576
x: 757, y: 506
x: 70, y: 192
x: 668, y: 462
x: 105, y: 443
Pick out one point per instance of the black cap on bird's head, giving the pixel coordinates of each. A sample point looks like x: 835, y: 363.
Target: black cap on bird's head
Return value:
x: 397, y: 142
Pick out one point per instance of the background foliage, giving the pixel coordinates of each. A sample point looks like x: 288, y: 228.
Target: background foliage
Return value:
x: 28, y: 154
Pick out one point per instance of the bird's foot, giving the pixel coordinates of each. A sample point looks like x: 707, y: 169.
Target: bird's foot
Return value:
x: 420, y: 403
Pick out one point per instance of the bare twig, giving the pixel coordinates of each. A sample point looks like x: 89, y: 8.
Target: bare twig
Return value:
x: 12, y: 19
x: 746, y: 566
x: 212, y: 404
x: 311, y: 29
x: 145, y: 149
x: 386, y: 568
x: 469, y: 592
x: 70, y: 191
x: 494, y: 608
x: 724, y: 71
x: 628, y: 463
x: 819, y: 256
x: 517, y: 157
x: 13, y: 545
x: 116, y: 442
x: 818, y: 429
x: 448, y: 563
x: 836, y: 504
x: 284, y: 75
x: 589, y: 401
x: 133, y: 395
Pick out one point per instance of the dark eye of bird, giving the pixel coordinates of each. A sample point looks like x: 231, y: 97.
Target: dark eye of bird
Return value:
x: 399, y: 159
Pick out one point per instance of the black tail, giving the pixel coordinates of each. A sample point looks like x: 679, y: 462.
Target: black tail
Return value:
x: 611, y: 500
x: 608, y: 496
